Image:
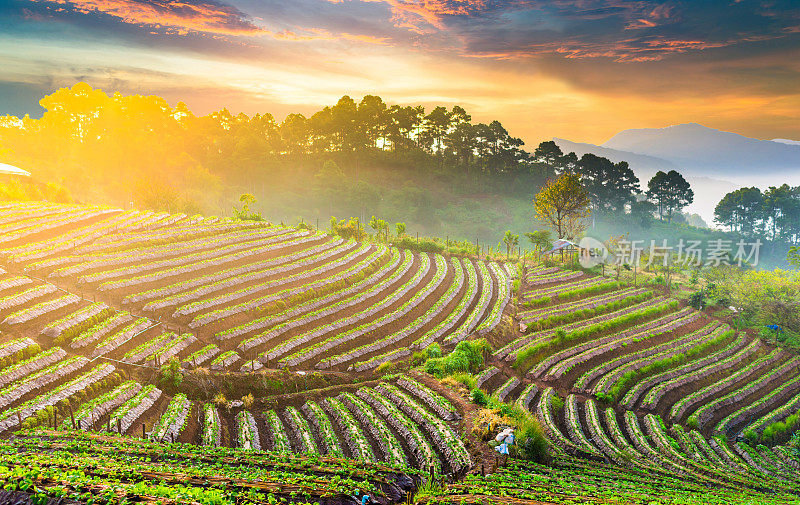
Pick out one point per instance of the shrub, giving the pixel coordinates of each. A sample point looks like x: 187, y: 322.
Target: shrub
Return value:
x: 385, y: 367
x: 479, y: 397
x: 434, y: 350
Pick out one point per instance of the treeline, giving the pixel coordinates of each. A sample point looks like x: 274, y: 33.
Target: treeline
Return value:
x: 773, y: 214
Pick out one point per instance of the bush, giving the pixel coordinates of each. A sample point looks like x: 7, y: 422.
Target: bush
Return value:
x: 466, y: 357
x: 434, y: 350
x: 479, y: 397
x: 531, y: 442
x: 385, y: 367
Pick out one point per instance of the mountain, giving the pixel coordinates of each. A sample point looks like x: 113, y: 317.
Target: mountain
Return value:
x: 708, y: 191
x: 787, y: 141
x: 699, y: 150
x: 639, y: 162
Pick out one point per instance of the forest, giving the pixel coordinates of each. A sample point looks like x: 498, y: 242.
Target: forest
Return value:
x: 437, y: 171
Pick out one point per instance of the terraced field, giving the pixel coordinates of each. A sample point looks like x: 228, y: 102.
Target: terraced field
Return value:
x: 623, y: 380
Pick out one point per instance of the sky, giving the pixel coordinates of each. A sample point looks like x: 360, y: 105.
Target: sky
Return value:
x: 576, y: 69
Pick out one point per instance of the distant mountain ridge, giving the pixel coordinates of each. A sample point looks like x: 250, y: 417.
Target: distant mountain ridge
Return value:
x: 700, y: 150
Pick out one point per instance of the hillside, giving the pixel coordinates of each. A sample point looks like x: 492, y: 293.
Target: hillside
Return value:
x: 275, y: 338
x: 700, y: 150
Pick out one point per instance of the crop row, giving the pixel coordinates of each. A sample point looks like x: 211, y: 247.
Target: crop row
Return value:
x: 629, y: 367
x: 492, y: 319
x: 165, y: 292
x: 410, y: 431
x: 436, y: 402
x: 557, y: 276
x: 350, y: 429
x: 126, y: 414
x: 599, y: 436
x: 179, y: 268
x: 756, y: 429
x: 431, y: 314
x: 316, y: 415
x: 702, y: 395
x: 303, y: 431
x: 15, y: 300
x: 279, y: 440
x: 44, y: 253
x: 446, y: 327
x: 40, y: 379
x: 441, y: 434
x: 384, y: 437
x: 212, y: 427
x: 31, y: 365
x: 318, y: 348
x: 79, y: 317
x: 315, y: 265
x: 542, y: 338
x: 247, y: 432
x: 191, y: 261
x: 196, y: 289
x: 708, y: 410
x: 317, y: 307
x: 36, y: 311
x: 613, y: 343
x: 116, y: 339
x: 544, y: 413
x: 148, y: 257
x: 173, y: 420
x: 638, y: 390
x: 11, y: 417
x: 14, y: 282
x: 354, y: 269
x: 749, y: 410
x: 407, y: 330
x: 224, y: 360
x: 536, y: 297
x: 574, y: 429
x: 91, y: 411
x: 100, y: 330
x: 202, y: 355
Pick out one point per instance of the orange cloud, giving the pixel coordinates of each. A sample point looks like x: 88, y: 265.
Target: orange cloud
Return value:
x: 174, y: 16
x: 207, y: 17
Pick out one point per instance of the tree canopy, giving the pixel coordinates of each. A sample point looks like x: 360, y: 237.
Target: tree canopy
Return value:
x: 671, y: 193
x: 563, y: 204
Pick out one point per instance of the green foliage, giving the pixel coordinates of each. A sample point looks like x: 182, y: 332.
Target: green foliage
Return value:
x: 244, y: 213
x: 171, y: 375
x: 479, y: 397
x: 528, y: 356
x: 466, y: 357
x: 633, y: 376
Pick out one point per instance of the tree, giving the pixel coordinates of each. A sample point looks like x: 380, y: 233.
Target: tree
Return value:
x: 510, y: 240
x: 381, y: 228
x: 793, y: 256
x: 613, y: 186
x: 670, y: 191
x: 643, y: 210
x: 742, y: 210
x: 563, y: 204
x: 400, y: 229
x: 540, y: 239
x: 245, y: 214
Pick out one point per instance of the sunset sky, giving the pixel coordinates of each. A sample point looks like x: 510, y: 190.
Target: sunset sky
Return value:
x: 577, y: 69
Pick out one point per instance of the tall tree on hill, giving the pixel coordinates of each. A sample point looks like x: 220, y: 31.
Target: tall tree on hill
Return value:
x: 741, y: 210
x: 549, y: 155
x: 511, y: 241
x: 613, y: 186
x: 671, y: 193
x: 563, y: 204
x: 782, y: 211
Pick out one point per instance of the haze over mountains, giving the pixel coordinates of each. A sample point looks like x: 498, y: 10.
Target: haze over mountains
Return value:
x: 714, y: 162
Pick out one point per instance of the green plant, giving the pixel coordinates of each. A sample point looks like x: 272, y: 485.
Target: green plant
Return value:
x: 479, y: 397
